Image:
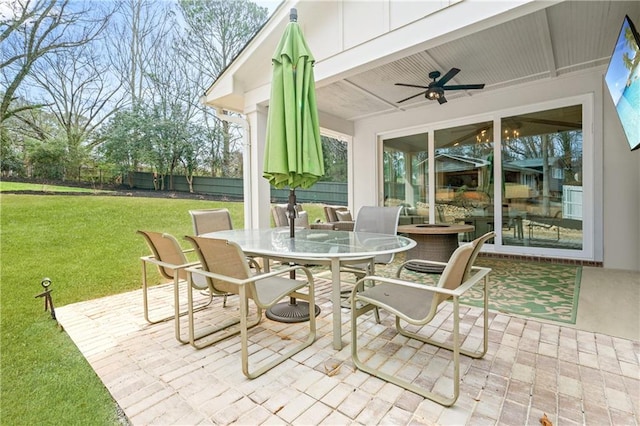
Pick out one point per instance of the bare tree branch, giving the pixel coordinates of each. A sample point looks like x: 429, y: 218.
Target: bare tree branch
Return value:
x: 37, y: 29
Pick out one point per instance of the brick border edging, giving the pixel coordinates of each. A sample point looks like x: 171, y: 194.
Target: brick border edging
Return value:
x: 553, y: 260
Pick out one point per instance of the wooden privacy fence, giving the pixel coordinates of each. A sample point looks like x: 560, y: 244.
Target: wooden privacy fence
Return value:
x: 334, y: 193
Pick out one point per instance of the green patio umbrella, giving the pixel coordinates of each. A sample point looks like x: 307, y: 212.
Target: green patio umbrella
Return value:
x: 293, y: 150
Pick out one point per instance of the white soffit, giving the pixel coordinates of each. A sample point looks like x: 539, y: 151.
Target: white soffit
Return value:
x: 563, y: 38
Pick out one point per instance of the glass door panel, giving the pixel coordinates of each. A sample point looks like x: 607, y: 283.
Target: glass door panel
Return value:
x: 464, y: 182
x: 406, y: 177
x: 542, y: 174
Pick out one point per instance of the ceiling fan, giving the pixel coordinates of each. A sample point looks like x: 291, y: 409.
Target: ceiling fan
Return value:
x: 435, y: 89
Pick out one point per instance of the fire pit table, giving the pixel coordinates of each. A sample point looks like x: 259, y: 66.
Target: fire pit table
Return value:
x: 433, y: 242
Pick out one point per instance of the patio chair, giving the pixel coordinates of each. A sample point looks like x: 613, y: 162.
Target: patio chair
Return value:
x: 379, y: 220
x: 339, y: 217
x: 224, y: 266
x: 210, y: 220
x: 281, y: 217
x: 213, y: 220
x: 171, y: 262
x: 544, y: 222
x: 417, y: 304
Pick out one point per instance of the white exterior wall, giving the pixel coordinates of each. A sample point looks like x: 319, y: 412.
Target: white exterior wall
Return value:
x: 621, y: 196
x: 615, y: 170
x: 346, y: 43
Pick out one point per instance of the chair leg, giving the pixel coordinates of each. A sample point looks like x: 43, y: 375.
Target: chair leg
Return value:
x: 346, y: 294
x: 311, y: 337
x: 455, y: 348
x: 440, y: 399
x: 177, y: 313
x: 472, y: 354
x: 220, y: 332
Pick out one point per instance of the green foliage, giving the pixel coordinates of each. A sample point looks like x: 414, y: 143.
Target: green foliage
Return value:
x: 49, y: 160
x: 335, y: 157
x: 10, y: 159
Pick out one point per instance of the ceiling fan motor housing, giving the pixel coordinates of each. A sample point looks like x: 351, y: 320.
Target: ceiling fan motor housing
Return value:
x: 435, y: 89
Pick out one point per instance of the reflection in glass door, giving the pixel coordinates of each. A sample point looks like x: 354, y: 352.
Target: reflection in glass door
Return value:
x: 542, y: 174
x: 406, y: 177
x: 530, y: 193
x: 464, y: 176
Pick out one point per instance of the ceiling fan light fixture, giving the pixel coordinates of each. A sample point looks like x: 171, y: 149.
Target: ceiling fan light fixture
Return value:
x: 435, y: 90
x: 511, y: 134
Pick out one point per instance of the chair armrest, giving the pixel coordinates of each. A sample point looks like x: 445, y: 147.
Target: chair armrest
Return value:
x: 463, y: 288
x: 322, y: 225
x: 251, y: 279
x: 344, y: 225
x: 153, y: 260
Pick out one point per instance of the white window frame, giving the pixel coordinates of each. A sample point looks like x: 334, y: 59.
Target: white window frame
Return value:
x: 588, y: 169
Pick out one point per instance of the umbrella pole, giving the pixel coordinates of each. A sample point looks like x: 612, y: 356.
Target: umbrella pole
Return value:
x: 291, y: 211
x: 293, y: 311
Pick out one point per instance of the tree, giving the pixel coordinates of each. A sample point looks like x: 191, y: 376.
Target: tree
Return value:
x: 81, y: 94
x: 21, y: 132
x: 174, y: 97
x: 32, y: 30
x: 335, y: 155
x: 216, y: 31
x: 124, y: 141
x: 48, y: 159
x: 137, y: 33
x: 10, y: 160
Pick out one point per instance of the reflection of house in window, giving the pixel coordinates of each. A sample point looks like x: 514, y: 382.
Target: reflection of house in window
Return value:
x: 556, y: 172
x: 455, y: 171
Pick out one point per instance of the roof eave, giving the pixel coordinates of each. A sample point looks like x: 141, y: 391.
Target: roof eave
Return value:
x: 227, y: 93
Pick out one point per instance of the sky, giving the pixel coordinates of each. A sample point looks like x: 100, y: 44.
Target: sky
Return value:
x: 271, y: 5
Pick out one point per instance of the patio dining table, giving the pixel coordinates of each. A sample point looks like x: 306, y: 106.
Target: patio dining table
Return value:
x: 326, y: 247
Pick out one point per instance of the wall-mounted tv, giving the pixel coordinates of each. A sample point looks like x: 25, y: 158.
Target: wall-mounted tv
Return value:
x: 623, y: 81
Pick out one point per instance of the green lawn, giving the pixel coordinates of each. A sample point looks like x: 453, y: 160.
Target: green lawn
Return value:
x: 88, y: 247
x: 19, y: 186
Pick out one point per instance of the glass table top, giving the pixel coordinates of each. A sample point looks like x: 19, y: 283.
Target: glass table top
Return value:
x: 314, y: 243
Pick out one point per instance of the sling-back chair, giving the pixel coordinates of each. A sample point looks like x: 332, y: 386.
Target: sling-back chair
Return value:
x: 417, y: 304
x: 171, y: 261
x: 225, y: 267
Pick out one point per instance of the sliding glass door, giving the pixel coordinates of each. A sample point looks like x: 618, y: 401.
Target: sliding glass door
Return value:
x: 528, y: 188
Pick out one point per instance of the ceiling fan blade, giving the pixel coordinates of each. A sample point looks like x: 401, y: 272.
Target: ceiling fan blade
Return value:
x: 448, y: 76
x: 442, y: 100
x: 412, y: 85
x: 463, y: 86
x: 411, y: 97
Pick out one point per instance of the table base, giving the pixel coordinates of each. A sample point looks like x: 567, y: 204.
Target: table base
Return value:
x: 292, y: 311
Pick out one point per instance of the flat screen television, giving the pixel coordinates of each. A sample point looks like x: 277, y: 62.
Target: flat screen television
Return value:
x: 623, y: 81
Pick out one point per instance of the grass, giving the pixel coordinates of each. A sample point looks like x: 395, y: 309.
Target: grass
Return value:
x: 88, y: 247
x: 19, y: 186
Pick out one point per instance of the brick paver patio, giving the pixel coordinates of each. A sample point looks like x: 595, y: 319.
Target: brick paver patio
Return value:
x: 532, y: 368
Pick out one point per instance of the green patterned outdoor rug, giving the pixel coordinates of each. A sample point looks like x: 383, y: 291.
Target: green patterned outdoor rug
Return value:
x: 533, y: 289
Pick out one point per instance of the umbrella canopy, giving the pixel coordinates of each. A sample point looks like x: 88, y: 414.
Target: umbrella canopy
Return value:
x: 293, y: 151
